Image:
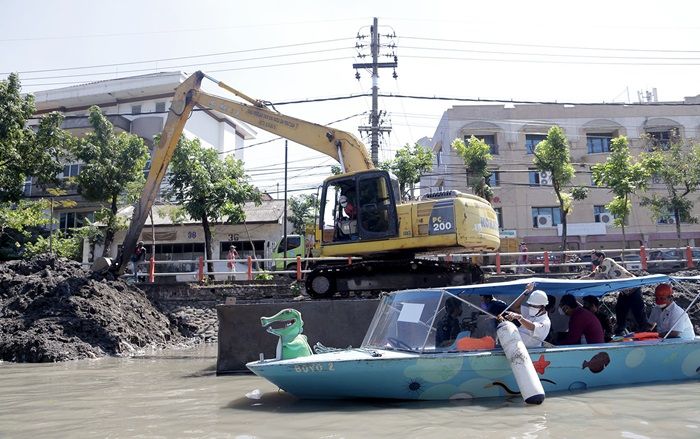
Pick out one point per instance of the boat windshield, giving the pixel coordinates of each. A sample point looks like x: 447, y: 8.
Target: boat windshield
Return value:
x: 419, y: 320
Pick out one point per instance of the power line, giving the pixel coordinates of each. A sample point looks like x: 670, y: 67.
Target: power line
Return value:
x: 179, y: 66
x: 284, y: 46
x: 549, y: 46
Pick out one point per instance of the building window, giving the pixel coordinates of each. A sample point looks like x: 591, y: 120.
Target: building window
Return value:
x: 494, y: 179
x: 531, y: 140
x: 438, y: 157
x: 545, y: 217
x: 499, y: 215
x: 660, y: 139
x: 489, y: 139
x: 72, y: 220
x: 160, y: 107
x: 136, y: 109
x: 27, y: 189
x: 71, y: 170
x: 598, y: 142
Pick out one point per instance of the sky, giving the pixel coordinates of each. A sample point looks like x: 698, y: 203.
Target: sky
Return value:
x: 281, y: 51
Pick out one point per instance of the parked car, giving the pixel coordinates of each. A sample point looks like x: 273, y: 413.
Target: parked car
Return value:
x: 668, y: 260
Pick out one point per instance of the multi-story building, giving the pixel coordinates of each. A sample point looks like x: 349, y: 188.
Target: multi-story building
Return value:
x: 524, y: 199
x: 139, y: 105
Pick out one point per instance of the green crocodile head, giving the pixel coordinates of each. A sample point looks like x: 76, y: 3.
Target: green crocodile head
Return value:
x: 286, y: 324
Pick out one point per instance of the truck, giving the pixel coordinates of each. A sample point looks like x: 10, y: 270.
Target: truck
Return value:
x: 289, y: 248
x: 386, y: 232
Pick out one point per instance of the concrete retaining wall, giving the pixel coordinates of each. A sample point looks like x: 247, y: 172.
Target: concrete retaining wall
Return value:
x: 334, y: 323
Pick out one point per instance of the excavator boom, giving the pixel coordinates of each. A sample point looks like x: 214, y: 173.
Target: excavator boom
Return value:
x: 338, y: 144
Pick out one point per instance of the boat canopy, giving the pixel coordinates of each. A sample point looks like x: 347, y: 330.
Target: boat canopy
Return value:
x: 412, y: 320
x: 559, y: 287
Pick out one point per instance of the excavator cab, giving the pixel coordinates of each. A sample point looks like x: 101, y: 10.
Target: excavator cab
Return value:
x: 359, y: 206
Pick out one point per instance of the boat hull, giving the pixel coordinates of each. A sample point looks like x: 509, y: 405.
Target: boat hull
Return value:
x: 463, y: 375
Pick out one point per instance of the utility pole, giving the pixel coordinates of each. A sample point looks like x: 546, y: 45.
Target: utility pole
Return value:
x: 375, y: 123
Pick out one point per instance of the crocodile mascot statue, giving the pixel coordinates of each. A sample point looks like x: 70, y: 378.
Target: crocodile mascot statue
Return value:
x: 292, y: 343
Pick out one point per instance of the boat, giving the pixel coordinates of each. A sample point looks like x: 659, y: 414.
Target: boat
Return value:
x: 399, y: 359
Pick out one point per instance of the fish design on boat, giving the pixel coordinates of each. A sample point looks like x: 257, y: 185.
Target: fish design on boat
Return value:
x: 597, y: 363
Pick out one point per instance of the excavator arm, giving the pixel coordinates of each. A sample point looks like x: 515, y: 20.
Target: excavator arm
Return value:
x: 340, y: 145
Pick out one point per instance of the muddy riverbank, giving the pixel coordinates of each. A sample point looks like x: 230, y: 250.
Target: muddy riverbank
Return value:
x: 53, y: 309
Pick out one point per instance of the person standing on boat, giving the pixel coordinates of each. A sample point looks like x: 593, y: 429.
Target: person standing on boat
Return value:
x: 628, y: 300
x: 533, y: 318
x: 666, y: 313
x: 582, y: 322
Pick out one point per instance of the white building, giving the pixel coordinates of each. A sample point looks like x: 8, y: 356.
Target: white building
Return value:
x: 139, y: 105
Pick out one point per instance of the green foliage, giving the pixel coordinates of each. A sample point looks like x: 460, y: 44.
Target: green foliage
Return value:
x: 303, y: 209
x: 476, y: 155
x: 296, y: 288
x: 209, y: 188
x: 623, y: 176
x: 678, y: 169
x: 335, y: 170
x: 408, y: 165
x: 24, y: 153
x: 60, y: 244
x: 16, y: 139
x: 113, y: 164
x: 264, y: 276
x: 22, y: 216
x: 553, y: 155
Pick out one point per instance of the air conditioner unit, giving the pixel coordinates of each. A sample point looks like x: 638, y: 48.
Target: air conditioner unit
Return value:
x: 671, y: 220
x: 545, y: 178
x: 544, y: 221
x: 606, y: 218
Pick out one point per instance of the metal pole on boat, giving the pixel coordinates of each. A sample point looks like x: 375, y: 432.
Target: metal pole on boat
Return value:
x: 686, y: 311
x: 545, y: 344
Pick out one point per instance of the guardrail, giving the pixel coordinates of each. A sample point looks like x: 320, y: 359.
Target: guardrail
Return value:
x: 544, y: 261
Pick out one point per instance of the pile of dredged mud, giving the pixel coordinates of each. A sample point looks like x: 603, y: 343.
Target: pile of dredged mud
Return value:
x: 53, y: 309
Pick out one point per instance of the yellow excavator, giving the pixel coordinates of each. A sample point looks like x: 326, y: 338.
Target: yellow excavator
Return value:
x: 360, y: 213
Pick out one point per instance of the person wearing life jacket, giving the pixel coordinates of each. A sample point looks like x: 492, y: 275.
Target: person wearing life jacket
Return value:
x: 666, y: 313
x: 533, y: 318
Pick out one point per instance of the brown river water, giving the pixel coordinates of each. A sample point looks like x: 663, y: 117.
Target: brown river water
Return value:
x: 176, y: 394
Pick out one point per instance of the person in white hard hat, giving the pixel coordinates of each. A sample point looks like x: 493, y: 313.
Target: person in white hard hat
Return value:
x: 533, y: 318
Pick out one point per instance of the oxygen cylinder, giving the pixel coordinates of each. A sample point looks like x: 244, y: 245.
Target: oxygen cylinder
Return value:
x: 520, y: 362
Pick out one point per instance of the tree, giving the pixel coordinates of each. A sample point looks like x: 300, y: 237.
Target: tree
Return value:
x: 303, y: 210
x: 553, y: 155
x: 476, y: 155
x: 16, y: 138
x: 408, y: 165
x: 113, y: 163
x: 678, y: 169
x: 208, y: 188
x: 624, y: 177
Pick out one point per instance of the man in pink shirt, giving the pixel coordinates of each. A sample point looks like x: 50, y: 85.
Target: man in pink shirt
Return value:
x: 582, y: 322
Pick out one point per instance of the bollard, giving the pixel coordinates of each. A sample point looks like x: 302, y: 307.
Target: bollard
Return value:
x: 152, y: 270
x: 250, y: 268
x: 689, y: 257
x: 200, y: 272
x: 498, y: 263
x: 546, y: 261
x: 448, y: 258
x: 643, y: 257
x: 298, y: 267
x: 349, y: 260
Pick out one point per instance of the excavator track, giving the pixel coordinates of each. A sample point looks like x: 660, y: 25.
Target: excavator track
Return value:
x: 389, y: 275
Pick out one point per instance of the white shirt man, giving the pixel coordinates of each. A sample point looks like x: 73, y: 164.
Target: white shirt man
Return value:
x: 666, y: 313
